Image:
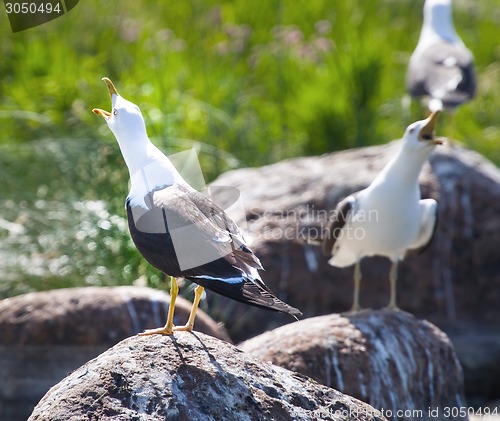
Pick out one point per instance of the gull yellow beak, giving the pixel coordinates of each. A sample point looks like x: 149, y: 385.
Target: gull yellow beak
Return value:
x: 112, y: 90
x: 427, y: 132
x: 105, y: 114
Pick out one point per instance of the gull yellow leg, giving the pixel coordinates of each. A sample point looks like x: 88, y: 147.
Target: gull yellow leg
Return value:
x: 198, y: 292
x: 393, y: 277
x: 169, y: 326
x: 357, y: 281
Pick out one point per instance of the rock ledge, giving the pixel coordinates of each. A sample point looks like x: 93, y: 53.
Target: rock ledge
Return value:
x: 190, y: 376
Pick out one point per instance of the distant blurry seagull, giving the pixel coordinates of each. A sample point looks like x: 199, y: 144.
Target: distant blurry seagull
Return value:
x: 441, y: 69
x: 178, y: 230
x: 388, y: 218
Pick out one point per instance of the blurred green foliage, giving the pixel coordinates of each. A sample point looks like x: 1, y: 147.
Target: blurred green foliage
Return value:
x: 248, y: 82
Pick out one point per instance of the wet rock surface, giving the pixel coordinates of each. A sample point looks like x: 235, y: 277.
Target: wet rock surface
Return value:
x: 191, y: 376
x: 46, y: 335
x: 403, y: 366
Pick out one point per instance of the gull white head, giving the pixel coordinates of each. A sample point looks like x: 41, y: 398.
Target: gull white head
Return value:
x: 127, y: 124
x: 125, y: 119
x: 149, y: 168
x: 438, y: 19
x: 419, y: 137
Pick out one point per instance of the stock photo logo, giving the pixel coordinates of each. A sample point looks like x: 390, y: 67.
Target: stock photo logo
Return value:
x: 188, y: 234
x: 28, y: 14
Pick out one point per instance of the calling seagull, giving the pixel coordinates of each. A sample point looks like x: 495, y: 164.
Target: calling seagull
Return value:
x: 403, y: 222
x: 177, y: 229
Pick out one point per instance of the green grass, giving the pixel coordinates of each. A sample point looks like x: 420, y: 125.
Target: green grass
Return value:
x: 246, y: 82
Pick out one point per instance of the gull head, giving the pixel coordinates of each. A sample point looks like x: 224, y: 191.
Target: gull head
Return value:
x: 419, y: 136
x: 437, y: 10
x: 438, y: 16
x: 125, y: 119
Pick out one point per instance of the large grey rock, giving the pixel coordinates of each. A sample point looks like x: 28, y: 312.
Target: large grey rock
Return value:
x: 91, y: 316
x: 191, y: 376
x: 456, y: 278
x: 45, y: 335
x: 405, y: 367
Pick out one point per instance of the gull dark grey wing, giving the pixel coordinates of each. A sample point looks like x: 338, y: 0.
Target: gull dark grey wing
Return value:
x: 185, y: 234
x: 337, y: 222
x: 444, y: 71
x: 175, y: 213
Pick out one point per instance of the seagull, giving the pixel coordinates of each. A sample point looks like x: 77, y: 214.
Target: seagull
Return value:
x: 441, y: 68
x: 387, y: 218
x: 177, y: 229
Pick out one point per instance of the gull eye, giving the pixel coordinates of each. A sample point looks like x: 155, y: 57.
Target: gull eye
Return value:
x: 115, y: 112
x: 411, y: 129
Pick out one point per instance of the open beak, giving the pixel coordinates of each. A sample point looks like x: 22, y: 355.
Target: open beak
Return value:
x: 427, y: 132
x: 111, y: 88
x: 105, y: 114
x: 112, y: 91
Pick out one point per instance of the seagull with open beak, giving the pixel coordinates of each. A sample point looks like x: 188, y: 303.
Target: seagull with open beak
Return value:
x: 388, y: 218
x: 177, y: 229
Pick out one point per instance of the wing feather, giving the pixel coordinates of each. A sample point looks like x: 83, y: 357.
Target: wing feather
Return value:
x: 444, y: 71
x: 340, y: 216
x: 232, y: 270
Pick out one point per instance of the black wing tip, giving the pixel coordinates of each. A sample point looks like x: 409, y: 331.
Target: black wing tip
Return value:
x: 264, y: 298
x: 295, y: 312
x: 280, y: 307
x: 283, y: 307
x: 292, y: 311
x: 247, y: 292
